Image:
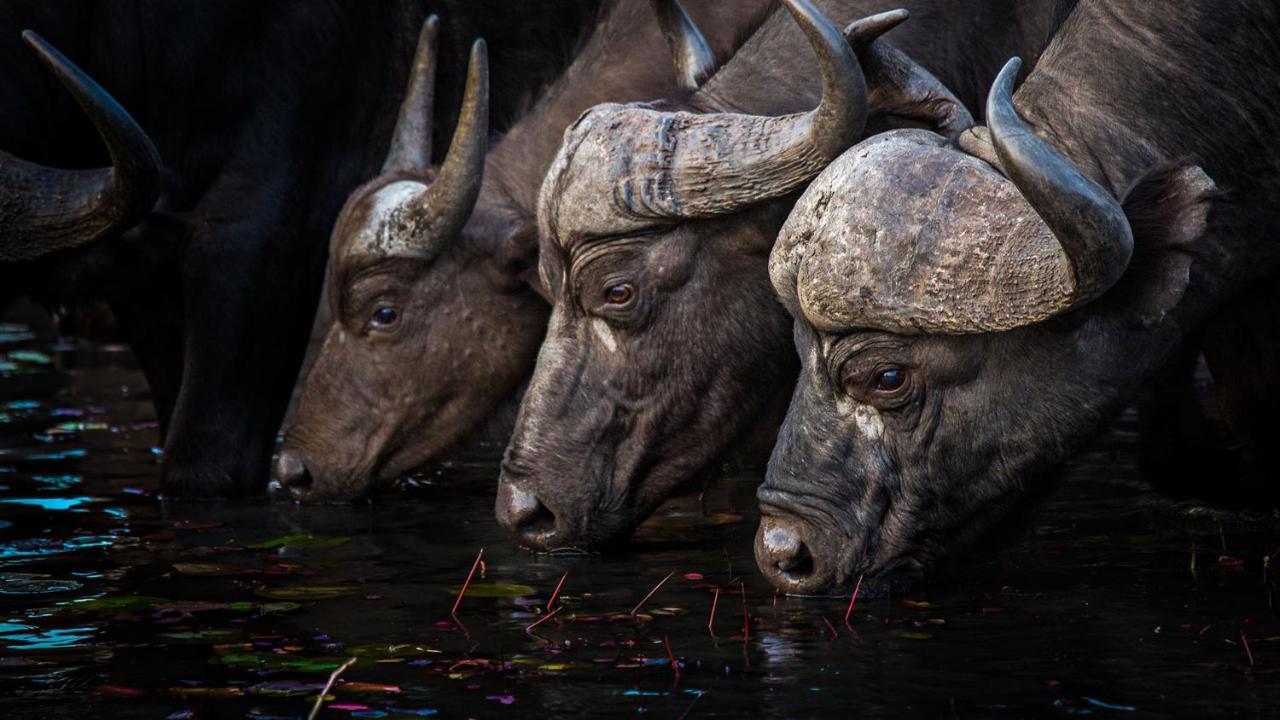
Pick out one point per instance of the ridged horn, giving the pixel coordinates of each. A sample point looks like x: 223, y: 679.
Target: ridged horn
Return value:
x: 692, y: 56
x: 43, y: 210
x: 719, y: 163
x: 1087, y: 220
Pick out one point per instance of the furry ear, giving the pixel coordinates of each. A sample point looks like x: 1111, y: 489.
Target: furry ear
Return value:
x: 977, y: 142
x: 1168, y: 210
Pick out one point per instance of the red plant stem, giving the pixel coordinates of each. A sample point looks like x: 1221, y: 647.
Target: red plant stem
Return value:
x: 857, y: 586
x: 556, y: 593
x: 746, y: 621
x: 544, y: 618
x: 712, y: 621
x: 467, y: 584
x: 645, y: 599
x: 1247, y: 651
x: 671, y: 656
x: 831, y: 627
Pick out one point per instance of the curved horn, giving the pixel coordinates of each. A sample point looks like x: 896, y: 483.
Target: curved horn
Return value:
x: 448, y: 203
x: 43, y: 210
x: 897, y: 85
x: 1086, y: 219
x: 697, y: 166
x: 411, y: 144
x: 693, y: 58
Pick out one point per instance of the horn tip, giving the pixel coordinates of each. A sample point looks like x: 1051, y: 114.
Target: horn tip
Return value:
x: 1013, y: 67
x: 863, y: 31
x: 38, y: 44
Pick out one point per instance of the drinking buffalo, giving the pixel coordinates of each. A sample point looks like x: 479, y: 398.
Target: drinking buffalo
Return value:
x: 968, y: 316
x: 267, y: 116
x: 436, y: 316
x: 667, y: 345
x: 43, y: 210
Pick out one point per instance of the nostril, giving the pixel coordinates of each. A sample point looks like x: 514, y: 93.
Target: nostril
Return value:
x: 537, y: 522
x: 799, y: 565
x: 786, y: 553
x: 524, y: 514
x: 292, y: 472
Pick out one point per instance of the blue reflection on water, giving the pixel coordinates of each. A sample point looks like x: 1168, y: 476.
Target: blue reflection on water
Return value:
x: 58, y: 482
x: 28, y: 638
x: 69, y: 503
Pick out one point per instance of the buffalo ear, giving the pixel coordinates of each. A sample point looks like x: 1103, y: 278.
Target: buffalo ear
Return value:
x: 1168, y: 211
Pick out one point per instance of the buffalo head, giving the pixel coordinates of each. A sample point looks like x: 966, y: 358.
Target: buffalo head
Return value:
x: 958, y: 321
x: 394, y: 257
x: 666, y: 342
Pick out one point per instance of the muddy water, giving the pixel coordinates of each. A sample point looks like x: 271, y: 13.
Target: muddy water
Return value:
x: 113, y: 603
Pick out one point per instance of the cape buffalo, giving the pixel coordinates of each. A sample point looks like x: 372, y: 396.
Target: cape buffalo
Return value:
x: 968, y: 316
x: 267, y: 114
x: 438, y: 322
x: 43, y: 210
x: 667, y: 346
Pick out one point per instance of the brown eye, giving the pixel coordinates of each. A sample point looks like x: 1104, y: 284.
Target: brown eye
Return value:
x: 620, y: 294
x: 890, y: 379
x: 384, y: 316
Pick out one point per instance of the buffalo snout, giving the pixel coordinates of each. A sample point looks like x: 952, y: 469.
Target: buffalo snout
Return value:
x: 794, y: 559
x: 523, y: 514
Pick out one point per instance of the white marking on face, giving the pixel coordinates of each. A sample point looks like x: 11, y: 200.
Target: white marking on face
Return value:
x: 390, y: 227
x: 869, y: 422
x: 605, y: 333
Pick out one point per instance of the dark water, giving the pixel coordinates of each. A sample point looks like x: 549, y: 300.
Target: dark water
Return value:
x: 116, y: 604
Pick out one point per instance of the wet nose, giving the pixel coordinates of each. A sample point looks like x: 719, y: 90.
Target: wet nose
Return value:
x: 525, y: 516
x: 785, y: 558
x: 292, y: 474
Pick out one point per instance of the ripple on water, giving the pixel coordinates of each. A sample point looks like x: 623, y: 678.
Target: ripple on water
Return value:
x: 25, y: 548
x: 34, y: 584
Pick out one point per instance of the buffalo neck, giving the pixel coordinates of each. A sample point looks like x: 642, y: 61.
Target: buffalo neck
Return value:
x: 1188, y: 90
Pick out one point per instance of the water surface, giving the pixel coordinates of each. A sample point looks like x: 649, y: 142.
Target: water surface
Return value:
x: 114, y: 603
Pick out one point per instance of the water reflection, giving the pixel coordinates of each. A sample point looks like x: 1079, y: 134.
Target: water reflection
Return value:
x: 244, y: 609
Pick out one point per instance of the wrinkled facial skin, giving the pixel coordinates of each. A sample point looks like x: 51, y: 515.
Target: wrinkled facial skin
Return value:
x: 889, y: 485
x: 630, y: 400
x: 385, y: 398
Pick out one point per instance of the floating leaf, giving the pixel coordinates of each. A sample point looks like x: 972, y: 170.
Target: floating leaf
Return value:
x: 30, y: 357
x: 209, y: 692
x: 112, y: 603
x: 120, y: 691
x: 914, y: 635
x: 365, y: 687
x: 286, y: 688
x: 273, y: 607
x: 308, y: 592
x: 187, y: 568
x: 207, y: 636
x: 298, y: 542
x: 494, y: 590
x: 273, y: 661
x: 380, y: 651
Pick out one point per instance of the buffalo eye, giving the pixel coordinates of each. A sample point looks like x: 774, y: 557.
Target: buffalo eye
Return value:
x: 385, y: 316
x: 890, y: 379
x: 619, y: 294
